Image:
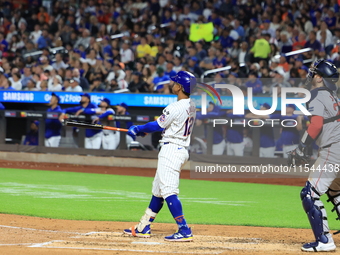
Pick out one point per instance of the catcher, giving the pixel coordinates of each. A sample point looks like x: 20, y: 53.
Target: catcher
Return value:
x: 324, y: 127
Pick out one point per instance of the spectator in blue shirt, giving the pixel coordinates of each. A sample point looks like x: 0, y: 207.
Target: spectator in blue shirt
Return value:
x: 219, y: 60
x: 107, y: 48
x: 330, y: 19
x: 255, y: 83
x: 167, y: 17
x: 214, y: 18
x: 193, y: 66
x: 313, y: 42
x: 32, y: 137
x: 201, y: 52
x: 169, y: 69
x: 226, y: 40
x: 196, y: 8
x: 158, y: 79
x: 43, y: 41
x: 239, y: 29
x: 3, y: 43
x: 7, y: 85
x: 26, y: 76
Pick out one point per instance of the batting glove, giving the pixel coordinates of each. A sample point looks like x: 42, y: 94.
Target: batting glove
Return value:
x: 134, y: 131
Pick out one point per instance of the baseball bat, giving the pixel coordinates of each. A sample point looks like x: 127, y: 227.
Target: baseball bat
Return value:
x: 93, y: 126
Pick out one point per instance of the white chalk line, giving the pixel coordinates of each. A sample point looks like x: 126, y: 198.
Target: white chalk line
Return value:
x: 40, y: 245
x: 14, y: 244
x: 91, y: 233
x: 43, y: 230
x: 130, y: 250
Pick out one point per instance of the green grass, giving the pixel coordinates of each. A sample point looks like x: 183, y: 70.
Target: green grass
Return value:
x: 80, y: 196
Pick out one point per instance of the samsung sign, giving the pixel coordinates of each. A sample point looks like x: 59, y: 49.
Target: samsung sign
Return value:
x: 141, y: 100
x: 147, y: 100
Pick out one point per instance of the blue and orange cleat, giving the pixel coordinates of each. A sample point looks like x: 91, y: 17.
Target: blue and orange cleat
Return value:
x: 145, y: 233
x: 183, y: 235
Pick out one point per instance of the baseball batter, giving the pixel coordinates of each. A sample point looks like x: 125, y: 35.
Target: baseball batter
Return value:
x: 53, y: 126
x: 323, y: 175
x: 177, y: 123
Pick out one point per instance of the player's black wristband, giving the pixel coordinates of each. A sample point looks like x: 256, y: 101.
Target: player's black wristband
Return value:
x: 307, y: 140
x: 306, y: 144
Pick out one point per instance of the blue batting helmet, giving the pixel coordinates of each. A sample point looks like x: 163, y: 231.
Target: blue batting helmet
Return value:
x: 327, y: 71
x: 186, y: 80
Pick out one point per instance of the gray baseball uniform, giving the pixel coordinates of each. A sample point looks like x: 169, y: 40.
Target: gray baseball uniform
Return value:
x: 324, y: 174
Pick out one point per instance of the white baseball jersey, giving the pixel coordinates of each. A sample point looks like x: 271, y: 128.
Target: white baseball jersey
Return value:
x: 178, y: 120
x: 326, y: 106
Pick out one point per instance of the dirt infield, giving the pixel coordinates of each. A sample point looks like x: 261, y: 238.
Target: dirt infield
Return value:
x: 32, y: 235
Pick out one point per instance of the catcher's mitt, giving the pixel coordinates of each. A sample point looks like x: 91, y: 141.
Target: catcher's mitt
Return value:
x: 297, y: 157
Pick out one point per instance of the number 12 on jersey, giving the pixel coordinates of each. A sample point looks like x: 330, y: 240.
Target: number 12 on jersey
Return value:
x: 188, y: 126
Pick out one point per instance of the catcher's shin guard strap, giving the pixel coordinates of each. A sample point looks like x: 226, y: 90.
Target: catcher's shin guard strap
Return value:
x: 145, y: 220
x: 336, y: 205
x: 314, y: 213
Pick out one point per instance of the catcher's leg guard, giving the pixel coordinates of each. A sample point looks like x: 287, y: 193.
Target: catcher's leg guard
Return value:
x: 334, y: 198
x: 316, y: 213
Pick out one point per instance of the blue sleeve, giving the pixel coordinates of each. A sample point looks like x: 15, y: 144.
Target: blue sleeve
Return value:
x: 72, y: 109
x: 258, y: 88
x: 2, y: 107
x: 105, y: 114
x: 150, y: 127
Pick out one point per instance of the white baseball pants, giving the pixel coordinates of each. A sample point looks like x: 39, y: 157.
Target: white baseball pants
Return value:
x: 218, y: 149
x: 94, y: 142
x: 170, y: 161
x: 268, y: 152
x: 53, y: 141
x: 110, y: 139
x: 235, y: 149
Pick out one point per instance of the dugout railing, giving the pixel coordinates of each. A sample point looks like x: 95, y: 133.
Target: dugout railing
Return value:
x: 136, y: 119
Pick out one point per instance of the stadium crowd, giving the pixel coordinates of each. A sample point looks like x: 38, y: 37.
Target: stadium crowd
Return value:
x: 137, y: 45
